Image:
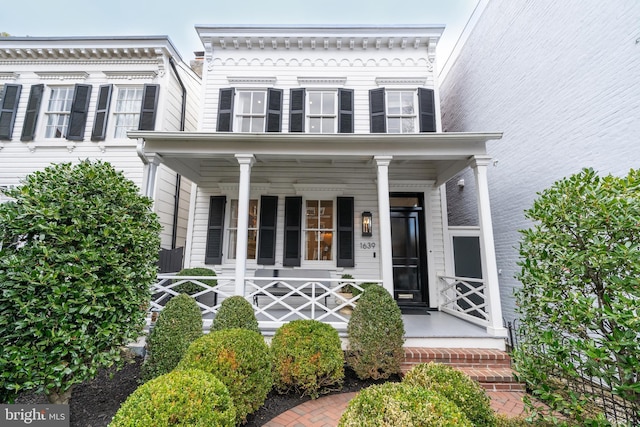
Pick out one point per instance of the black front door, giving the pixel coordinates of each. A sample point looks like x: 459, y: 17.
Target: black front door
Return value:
x: 408, y: 250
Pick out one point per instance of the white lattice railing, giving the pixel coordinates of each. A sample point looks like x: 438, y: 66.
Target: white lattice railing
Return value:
x: 276, y: 300
x: 464, y: 297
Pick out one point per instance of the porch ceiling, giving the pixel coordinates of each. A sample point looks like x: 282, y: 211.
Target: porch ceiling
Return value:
x: 183, y: 151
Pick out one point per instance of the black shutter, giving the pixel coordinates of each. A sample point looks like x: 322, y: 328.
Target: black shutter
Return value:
x: 292, y: 231
x: 31, y: 116
x: 8, y: 108
x: 225, y: 110
x: 215, y: 229
x: 296, y: 110
x: 274, y: 110
x: 345, y: 232
x: 149, y: 106
x: 378, y: 119
x: 267, y: 232
x: 79, y: 112
x: 99, y: 132
x: 345, y: 111
x: 426, y: 105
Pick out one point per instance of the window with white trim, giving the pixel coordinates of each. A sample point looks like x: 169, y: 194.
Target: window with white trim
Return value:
x: 127, y: 110
x: 318, y: 230
x: 58, y: 111
x: 401, y: 111
x: 251, y: 109
x: 322, y: 107
x: 252, y: 248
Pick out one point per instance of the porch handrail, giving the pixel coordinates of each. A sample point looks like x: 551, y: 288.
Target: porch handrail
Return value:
x: 464, y: 297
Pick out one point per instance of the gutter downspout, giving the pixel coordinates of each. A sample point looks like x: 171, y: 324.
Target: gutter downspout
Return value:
x: 183, y: 114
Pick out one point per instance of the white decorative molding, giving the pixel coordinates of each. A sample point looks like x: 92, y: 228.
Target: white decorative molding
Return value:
x: 322, y: 81
x: 411, y: 185
x: 404, y: 81
x: 231, y: 188
x: 131, y: 75
x: 320, y: 191
x: 8, y: 76
x: 257, y: 81
x: 420, y: 62
x: 62, y: 75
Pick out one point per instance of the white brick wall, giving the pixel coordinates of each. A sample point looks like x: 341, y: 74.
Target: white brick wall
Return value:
x: 562, y: 81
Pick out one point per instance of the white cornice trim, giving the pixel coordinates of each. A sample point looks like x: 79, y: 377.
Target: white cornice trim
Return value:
x: 259, y: 81
x: 320, y: 190
x: 131, y: 75
x: 401, y: 185
x: 62, y: 75
x: 322, y: 81
x: 8, y: 76
x: 401, y: 81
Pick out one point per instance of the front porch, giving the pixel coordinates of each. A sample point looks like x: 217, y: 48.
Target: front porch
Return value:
x: 461, y: 321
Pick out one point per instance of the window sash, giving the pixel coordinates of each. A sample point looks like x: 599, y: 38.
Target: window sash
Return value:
x: 127, y: 110
x: 251, y: 110
x: 252, y: 241
x: 401, y: 111
x: 322, y: 108
x: 319, y: 230
x: 58, y: 112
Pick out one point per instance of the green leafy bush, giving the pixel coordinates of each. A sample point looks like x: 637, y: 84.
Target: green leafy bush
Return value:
x: 240, y: 359
x: 179, y: 324
x: 307, y: 358
x: 191, y: 288
x: 376, y: 335
x: 401, y: 405
x: 78, y: 256
x: 580, y: 264
x: 459, y: 388
x: 179, y: 398
x: 235, y: 312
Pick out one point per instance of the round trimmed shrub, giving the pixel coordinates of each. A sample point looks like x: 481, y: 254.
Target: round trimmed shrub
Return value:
x: 179, y: 324
x: 307, y: 358
x: 376, y: 335
x: 240, y: 359
x: 401, y: 405
x: 179, y: 398
x: 235, y: 312
x: 459, y: 388
x: 191, y: 288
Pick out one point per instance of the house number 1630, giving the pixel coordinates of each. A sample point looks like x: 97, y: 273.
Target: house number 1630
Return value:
x: 367, y: 245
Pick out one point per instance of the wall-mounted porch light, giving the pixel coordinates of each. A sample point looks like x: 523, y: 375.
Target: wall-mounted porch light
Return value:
x: 367, y: 224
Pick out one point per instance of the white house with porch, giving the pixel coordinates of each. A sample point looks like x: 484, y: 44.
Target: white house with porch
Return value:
x: 319, y: 154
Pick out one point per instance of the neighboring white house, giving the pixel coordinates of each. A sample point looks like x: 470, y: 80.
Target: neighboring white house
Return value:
x: 69, y: 98
x: 562, y: 81
x: 319, y: 150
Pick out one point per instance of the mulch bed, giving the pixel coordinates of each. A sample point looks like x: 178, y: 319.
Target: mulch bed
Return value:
x: 93, y: 404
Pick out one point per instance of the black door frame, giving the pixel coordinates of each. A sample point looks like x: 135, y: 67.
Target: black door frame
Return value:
x: 423, y: 275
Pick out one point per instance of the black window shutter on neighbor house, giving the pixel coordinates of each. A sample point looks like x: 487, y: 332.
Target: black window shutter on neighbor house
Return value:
x: 345, y: 111
x: 426, y: 105
x: 296, y: 110
x: 225, y: 110
x: 8, y: 109
x: 378, y: 120
x: 274, y: 110
x: 215, y: 229
x: 345, y: 232
x: 149, y: 106
x: 267, y: 232
x: 99, y: 132
x: 292, y: 231
x: 31, y: 116
x: 79, y: 112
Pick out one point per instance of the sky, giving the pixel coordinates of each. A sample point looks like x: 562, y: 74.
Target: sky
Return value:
x: 42, y: 18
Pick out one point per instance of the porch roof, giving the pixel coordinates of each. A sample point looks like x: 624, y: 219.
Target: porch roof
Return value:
x: 182, y: 151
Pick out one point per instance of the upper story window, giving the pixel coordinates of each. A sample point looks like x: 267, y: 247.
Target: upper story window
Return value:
x: 321, y: 111
x: 402, y: 111
x: 249, y: 110
x: 126, y: 113
x: 58, y: 112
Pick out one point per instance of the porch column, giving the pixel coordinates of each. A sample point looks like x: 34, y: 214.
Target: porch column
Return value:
x: 384, y: 211
x: 245, y: 161
x: 149, y: 175
x: 492, y: 292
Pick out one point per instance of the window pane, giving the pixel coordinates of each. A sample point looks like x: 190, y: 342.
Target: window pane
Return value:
x: 326, y: 214
x: 258, y: 103
x: 245, y: 124
x: 326, y: 243
x: 244, y: 102
x: 311, y: 246
x: 127, y: 112
x: 233, y: 211
x: 408, y: 125
x: 315, y: 103
x: 257, y: 124
x: 328, y: 125
x: 233, y: 237
x: 393, y: 125
x: 312, y: 214
x: 315, y: 125
x: 252, y: 244
x: 407, y: 103
x: 328, y: 103
x: 393, y: 102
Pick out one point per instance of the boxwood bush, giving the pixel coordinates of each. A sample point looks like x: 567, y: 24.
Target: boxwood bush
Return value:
x: 240, y: 359
x: 179, y: 398
x: 401, y: 405
x: 376, y: 335
x: 307, y: 358
x: 191, y: 288
x: 179, y: 324
x: 235, y: 312
x: 466, y: 393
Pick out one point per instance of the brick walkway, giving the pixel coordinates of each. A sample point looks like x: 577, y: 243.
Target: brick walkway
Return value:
x: 326, y: 411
